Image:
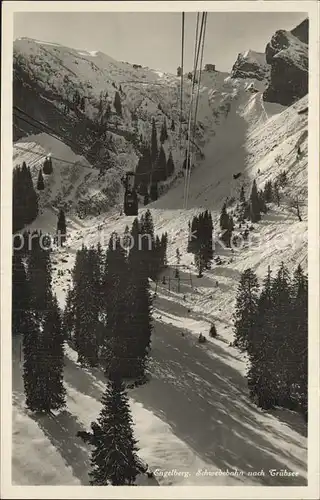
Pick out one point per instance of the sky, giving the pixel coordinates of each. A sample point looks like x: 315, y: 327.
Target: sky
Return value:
x: 153, y: 39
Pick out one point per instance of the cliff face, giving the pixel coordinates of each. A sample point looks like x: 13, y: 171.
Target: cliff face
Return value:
x: 287, y: 55
x: 250, y: 64
x: 302, y: 31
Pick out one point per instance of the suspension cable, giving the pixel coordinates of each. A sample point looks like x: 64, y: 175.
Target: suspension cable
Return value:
x: 196, y: 59
x: 42, y: 127
x: 197, y: 102
x: 190, y: 109
x: 181, y: 84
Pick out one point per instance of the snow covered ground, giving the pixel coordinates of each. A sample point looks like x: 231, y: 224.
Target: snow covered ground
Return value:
x: 194, y: 413
x: 192, y: 416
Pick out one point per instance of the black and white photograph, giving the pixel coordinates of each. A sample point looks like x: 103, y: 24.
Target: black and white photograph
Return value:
x: 159, y: 294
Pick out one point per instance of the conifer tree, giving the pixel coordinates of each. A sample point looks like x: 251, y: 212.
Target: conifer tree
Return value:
x: 261, y: 350
x: 207, y: 238
x: 61, y: 227
x: 164, y: 132
x: 199, y: 258
x: 268, y: 194
x: 160, y: 173
x: 84, y: 306
x: 90, y: 327
x: 242, y: 197
x: 243, y: 206
x: 107, y: 112
x: 277, y: 346
x: 227, y: 225
x: 262, y: 204
x: 281, y: 294
x: 224, y: 218
x: 20, y: 296
x: 172, y: 125
x: 31, y: 198
x: 154, y: 143
x: 75, y: 310
x: 213, y: 331
x: 17, y: 201
x: 114, y: 458
x: 39, y: 276
x: 40, y: 183
x: 144, y: 167
x: 117, y: 345
x: 117, y: 103
x: 299, y: 347
x: 33, y: 365
x: 147, y: 240
x: 68, y: 320
x: 254, y: 204
x: 43, y: 337
x: 140, y: 317
x: 246, y: 310
x: 52, y: 354
x: 100, y: 105
x: 170, y: 165
x: 24, y: 198
x: 164, y: 245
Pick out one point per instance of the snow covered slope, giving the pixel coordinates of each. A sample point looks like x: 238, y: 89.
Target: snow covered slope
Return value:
x: 194, y: 392
x: 46, y: 78
x: 194, y: 414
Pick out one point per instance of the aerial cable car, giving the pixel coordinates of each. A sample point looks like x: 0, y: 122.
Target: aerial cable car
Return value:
x: 47, y: 165
x: 130, y: 195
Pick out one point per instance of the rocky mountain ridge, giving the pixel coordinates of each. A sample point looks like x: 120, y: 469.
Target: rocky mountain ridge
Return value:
x: 287, y: 55
x: 73, y: 92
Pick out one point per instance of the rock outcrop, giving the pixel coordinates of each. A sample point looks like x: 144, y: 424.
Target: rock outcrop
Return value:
x: 287, y: 54
x: 250, y: 64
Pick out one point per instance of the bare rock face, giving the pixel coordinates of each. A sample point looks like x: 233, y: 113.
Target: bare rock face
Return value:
x: 250, y: 64
x: 302, y: 31
x: 287, y: 54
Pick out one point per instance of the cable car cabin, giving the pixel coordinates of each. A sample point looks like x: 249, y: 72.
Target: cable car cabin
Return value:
x: 130, y: 181
x: 131, y: 203
x: 47, y: 166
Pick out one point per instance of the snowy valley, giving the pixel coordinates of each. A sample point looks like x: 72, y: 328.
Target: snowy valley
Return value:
x: 193, y: 417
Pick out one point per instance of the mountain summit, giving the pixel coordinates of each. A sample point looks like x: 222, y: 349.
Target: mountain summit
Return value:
x: 250, y: 64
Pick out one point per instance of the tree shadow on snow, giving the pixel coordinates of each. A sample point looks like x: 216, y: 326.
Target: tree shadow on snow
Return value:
x: 85, y: 381
x: 226, y: 272
x: 165, y: 306
x: 61, y: 431
x: 291, y: 419
x: 211, y: 410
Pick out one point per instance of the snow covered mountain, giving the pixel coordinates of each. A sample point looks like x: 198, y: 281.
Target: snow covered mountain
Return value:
x: 195, y: 412
x: 48, y: 77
